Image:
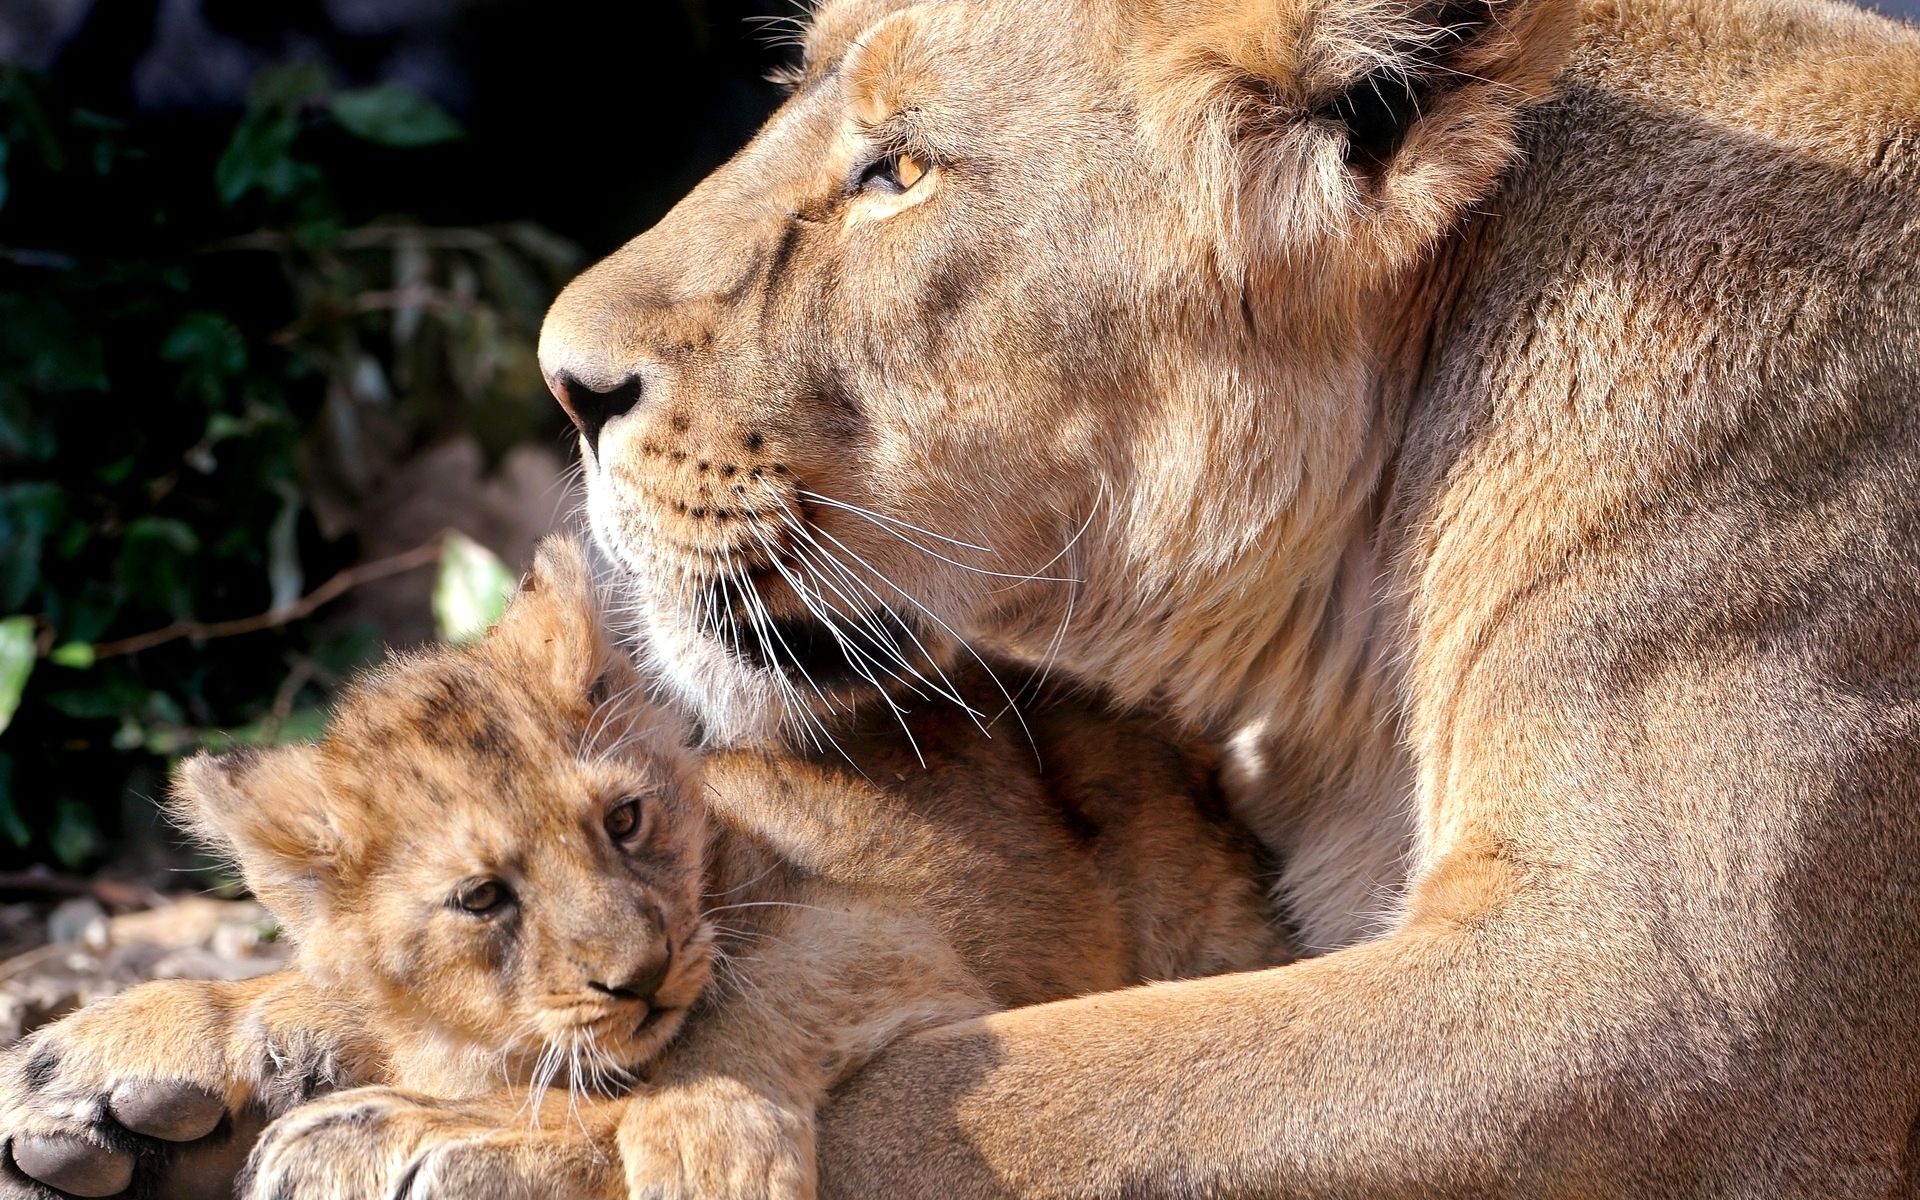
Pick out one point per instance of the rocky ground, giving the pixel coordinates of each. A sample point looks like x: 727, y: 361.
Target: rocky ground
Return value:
x: 67, y: 942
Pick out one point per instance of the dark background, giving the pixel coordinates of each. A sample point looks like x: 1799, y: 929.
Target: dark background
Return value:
x: 589, y: 116
x: 210, y: 399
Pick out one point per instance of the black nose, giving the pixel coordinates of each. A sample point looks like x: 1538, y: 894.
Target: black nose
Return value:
x: 643, y: 983
x: 592, y: 410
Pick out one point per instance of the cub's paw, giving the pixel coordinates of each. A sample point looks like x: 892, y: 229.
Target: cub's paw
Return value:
x: 90, y: 1102
x: 716, y: 1140
x: 382, y: 1142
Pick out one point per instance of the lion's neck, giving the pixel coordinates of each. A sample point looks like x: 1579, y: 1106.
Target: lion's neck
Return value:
x: 1289, y: 644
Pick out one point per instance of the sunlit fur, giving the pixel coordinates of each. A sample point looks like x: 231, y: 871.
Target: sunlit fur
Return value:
x: 820, y: 905
x: 1526, y: 492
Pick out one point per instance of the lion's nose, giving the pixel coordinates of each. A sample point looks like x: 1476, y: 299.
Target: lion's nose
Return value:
x: 592, y: 410
x: 643, y: 982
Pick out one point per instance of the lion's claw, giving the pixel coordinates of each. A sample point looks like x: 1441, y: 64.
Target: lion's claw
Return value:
x: 73, y: 1165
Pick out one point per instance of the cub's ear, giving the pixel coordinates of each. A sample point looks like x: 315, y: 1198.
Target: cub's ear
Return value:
x: 268, y: 811
x: 552, y: 632
x: 1356, y: 125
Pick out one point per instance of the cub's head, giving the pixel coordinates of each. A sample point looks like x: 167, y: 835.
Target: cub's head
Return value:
x: 500, y: 847
x: 1055, y: 325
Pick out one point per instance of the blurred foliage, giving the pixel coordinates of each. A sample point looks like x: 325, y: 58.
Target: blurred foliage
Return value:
x: 199, y: 387
x: 471, y: 591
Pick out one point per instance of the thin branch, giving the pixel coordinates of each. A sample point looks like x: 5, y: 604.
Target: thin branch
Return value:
x: 273, y: 618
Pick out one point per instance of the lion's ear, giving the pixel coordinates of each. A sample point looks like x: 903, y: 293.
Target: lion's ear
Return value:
x: 1352, y: 121
x: 552, y: 631
x: 269, y: 812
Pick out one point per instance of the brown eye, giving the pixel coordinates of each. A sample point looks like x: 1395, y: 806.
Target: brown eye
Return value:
x: 624, y: 821
x: 483, y: 896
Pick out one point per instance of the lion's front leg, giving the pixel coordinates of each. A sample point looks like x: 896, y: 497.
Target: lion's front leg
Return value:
x: 717, y: 1139
x: 168, y: 1081
x: 382, y: 1142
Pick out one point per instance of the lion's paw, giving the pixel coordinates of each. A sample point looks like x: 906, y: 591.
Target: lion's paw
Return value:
x: 86, y: 1104
x: 384, y: 1142
x: 716, y: 1141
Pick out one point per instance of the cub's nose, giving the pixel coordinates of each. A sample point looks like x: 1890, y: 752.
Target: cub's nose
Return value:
x: 643, y: 982
x: 591, y: 410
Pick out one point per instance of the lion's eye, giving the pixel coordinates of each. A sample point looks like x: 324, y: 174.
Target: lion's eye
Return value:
x: 482, y: 897
x: 894, y: 173
x: 624, y: 822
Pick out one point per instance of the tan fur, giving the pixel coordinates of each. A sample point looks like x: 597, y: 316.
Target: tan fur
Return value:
x: 1529, y: 503
x: 837, y: 902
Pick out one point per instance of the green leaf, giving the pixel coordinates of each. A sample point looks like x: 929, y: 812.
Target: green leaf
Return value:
x: 112, y: 698
x: 28, y: 511
x: 21, y: 92
x: 260, y: 157
x: 78, y: 655
x: 155, y: 561
x: 16, y: 664
x: 83, y: 617
x: 211, y: 350
x: 59, y: 353
x: 471, y: 592
x: 11, y: 823
x: 394, y: 114
x: 289, y: 85
x: 74, y: 834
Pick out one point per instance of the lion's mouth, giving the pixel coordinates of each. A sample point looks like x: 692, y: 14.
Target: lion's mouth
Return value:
x: 821, y: 647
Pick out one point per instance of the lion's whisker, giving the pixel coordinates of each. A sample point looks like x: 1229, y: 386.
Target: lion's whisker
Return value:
x: 766, y: 904
x: 853, y: 654
x: 886, y: 525
x: 847, y: 648
x: 950, y: 631
x: 826, y: 556
x: 883, y: 520
x: 763, y: 623
x: 1058, y: 641
x: 812, y: 557
x: 816, y: 604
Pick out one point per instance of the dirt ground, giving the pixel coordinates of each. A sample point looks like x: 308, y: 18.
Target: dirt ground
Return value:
x: 71, y: 942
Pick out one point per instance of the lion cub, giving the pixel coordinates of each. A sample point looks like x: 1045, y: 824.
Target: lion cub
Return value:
x: 505, y: 877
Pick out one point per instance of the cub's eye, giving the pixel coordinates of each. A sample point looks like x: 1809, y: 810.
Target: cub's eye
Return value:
x: 483, y: 897
x: 625, y: 822
x: 893, y: 174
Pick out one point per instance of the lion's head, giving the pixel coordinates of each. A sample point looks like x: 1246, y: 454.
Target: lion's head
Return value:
x: 1057, y: 326
x: 494, y: 848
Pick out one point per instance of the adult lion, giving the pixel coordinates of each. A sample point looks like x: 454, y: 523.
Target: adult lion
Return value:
x: 1505, y: 404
